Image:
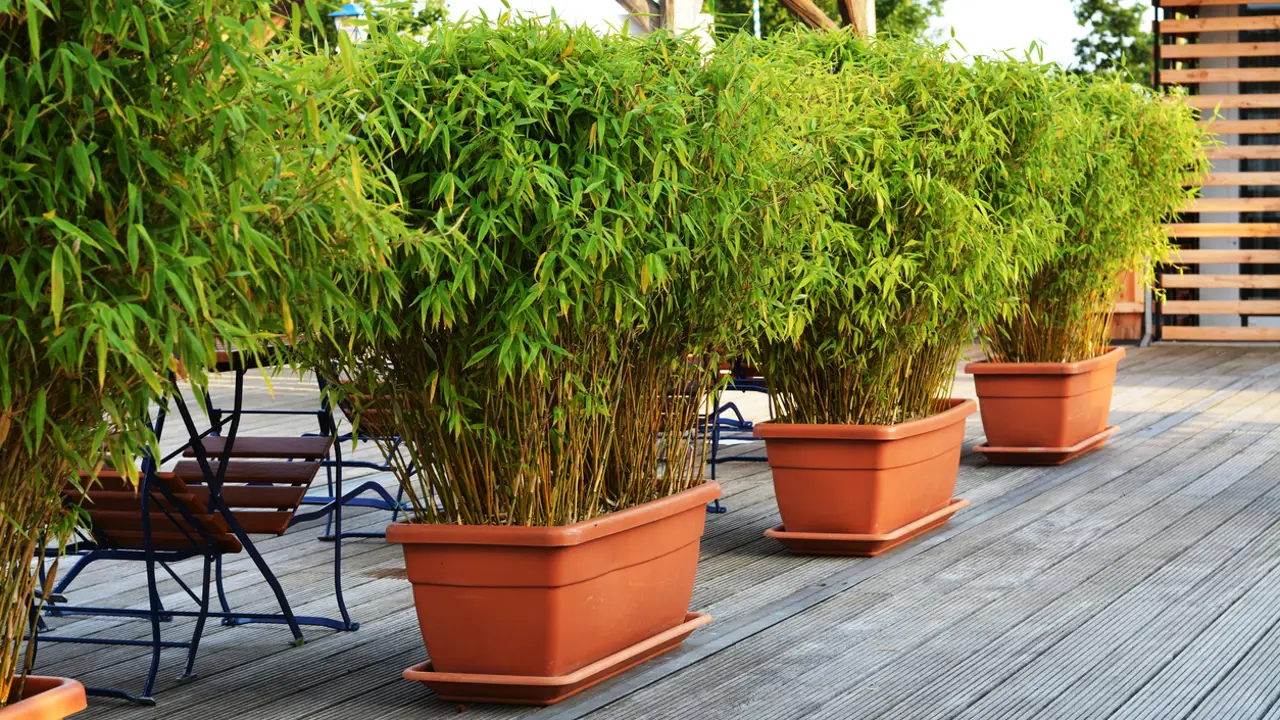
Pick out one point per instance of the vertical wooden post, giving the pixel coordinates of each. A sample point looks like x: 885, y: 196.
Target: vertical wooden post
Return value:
x: 862, y: 15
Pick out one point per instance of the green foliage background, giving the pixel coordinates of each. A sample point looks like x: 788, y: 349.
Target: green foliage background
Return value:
x: 1117, y: 38
x: 165, y: 183
x: 1143, y: 157
x: 929, y: 194
x: 596, y: 210
x: 527, y: 247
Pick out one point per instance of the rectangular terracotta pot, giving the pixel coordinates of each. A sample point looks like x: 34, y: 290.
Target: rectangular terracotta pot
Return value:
x: 1045, y: 405
x: 45, y: 698
x: 547, y: 601
x: 865, y: 479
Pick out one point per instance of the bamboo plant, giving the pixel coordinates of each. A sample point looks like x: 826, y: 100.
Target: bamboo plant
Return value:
x: 596, y: 207
x: 165, y: 184
x: 901, y: 252
x: 1144, y: 157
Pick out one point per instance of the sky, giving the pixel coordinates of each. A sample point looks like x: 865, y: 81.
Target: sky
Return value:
x: 985, y: 27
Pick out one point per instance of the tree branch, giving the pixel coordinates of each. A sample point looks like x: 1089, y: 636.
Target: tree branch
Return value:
x: 854, y: 12
x: 641, y: 12
x: 811, y: 14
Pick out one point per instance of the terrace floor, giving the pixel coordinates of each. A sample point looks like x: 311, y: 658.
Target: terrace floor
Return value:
x: 1140, y: 581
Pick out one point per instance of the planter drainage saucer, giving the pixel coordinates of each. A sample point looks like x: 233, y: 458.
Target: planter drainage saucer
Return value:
x: 811, y: 543
x: 1044, y: 455
x: 532, y: 690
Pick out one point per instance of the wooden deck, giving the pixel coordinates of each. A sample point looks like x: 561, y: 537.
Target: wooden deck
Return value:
x: 1140, y: 581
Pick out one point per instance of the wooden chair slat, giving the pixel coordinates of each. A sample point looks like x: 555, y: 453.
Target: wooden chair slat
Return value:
x: 117, y: 513
x: 123, y: 500
x: 252, y: 471
x: 170, y: 541
x: 111, y: 520
x: 264, y: 522
x: 280, y: 448
x: 275, y: 497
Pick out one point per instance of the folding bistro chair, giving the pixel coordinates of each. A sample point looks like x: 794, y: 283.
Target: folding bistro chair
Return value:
x: 207, y: 508
x: 370, y: 430
x: 726, y: 421
x: 229, y: 360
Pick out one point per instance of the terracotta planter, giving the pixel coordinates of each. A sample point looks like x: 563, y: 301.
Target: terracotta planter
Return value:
x: 862, y: 489
x: 1044, y: 413
x: 512, y: 614
x: 46, y: 698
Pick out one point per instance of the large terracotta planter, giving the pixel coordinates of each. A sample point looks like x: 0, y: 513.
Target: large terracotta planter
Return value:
x: 1044, y: 413
x: 527, y: 614
x: 46, y: 698
x: 862, y: 489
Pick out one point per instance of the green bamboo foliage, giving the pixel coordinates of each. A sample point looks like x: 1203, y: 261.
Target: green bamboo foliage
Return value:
x: 912, y: 161
x: 1144, y: 157
x: 596, y: 207
x: 164, y: 183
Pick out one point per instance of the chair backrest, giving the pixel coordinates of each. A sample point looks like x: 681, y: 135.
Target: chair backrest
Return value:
x: 265, y: 481
x: 180, y: 519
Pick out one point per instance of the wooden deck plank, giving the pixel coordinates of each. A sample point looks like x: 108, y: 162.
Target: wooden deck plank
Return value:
x: 1021, y: 574
x: 911, y: 614
x: 1251, y: 688
x: 1024, y: 626
x: 1215, y: 532
x: 767, y: 648
x: 1198, y: 669
x: 933, y: 570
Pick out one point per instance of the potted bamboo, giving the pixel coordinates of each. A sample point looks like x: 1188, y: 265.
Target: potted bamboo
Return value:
x: 595, y: 206
x: 899, y: 256
x: 1045, y: 388
x: 133, y: 236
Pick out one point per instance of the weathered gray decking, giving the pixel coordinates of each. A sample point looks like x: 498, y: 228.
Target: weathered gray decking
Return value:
x: 1142, y: 580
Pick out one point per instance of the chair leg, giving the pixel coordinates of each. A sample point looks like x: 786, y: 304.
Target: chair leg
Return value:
x: 219, y: 505
x: 154, y: 616
x: 328, y: 483
x: 265, y: 570
x: 337, y: 545
x: 187, y: 673
x: 222, y: 592
x: 715, y: 508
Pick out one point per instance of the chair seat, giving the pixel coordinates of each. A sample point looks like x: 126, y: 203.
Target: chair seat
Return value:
x: 252, y: 471
x: 262, y: 495
x: 179, y: 518
x: 268, y: 448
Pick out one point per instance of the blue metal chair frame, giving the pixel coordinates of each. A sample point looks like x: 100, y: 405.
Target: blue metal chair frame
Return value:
x: 334, y: 467
x: 204, y: 546
x: 734, y: 426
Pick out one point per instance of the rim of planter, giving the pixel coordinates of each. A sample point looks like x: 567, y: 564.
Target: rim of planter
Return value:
x: 957, y: 410
x: 403, y: 531
x: 986, y: 367
x: 46, y: 697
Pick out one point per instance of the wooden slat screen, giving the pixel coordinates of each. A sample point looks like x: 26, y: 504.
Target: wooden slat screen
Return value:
x: 1225, y: 283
